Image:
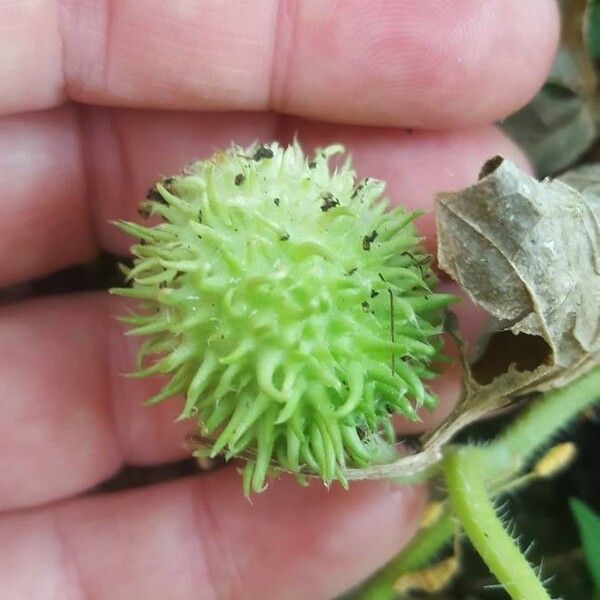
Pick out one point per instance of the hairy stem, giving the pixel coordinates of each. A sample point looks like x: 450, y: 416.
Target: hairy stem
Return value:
x: 498, y: 461
x: 535, y: 427
x: 465, y: 471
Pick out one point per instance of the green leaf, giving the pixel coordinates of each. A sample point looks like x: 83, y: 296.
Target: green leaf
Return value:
x: 593, y: 28
x: 588, y: 524
x: 558, y: 125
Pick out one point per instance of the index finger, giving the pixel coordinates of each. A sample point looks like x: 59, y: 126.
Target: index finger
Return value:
x: 404, y: 62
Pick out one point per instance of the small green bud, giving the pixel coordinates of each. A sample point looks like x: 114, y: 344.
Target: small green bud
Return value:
x: 289, y: 307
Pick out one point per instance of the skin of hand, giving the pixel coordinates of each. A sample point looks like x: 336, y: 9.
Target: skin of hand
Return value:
x: 97, y: 99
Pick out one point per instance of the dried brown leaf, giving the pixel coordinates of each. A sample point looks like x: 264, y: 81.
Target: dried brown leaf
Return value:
x: 528, y: 252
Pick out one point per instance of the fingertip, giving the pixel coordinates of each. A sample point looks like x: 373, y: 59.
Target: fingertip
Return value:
x: 419, y: 64
x: 43, y: 210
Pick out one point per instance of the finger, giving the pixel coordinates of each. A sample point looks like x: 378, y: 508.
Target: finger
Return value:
x: 57, y: 435
x: 69, y: 417
x: 407, y: 62
x: 31, y: 75
x: 44, y: 220
x: 202, y: 539
x: 54, y: 195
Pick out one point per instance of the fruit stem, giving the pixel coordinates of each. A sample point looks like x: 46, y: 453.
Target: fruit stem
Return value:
x: 464, y: 471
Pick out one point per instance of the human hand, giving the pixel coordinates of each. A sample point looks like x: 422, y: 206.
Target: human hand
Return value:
x: 69, y: 419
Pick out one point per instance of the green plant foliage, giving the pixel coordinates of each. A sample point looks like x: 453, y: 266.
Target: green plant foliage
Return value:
x: 558, y: 126
x: 289, y: 306
x: 588, y: 524
x: 593, y: 28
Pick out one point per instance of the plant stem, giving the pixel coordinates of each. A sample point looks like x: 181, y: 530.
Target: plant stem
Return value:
x: 538, y: 424
x: 417, y: 554
x: 465, y: 480
x: 467, y: 471
x: 504, y: 456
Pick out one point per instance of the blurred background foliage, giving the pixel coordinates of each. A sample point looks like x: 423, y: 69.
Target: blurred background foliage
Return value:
x: 559, y: 127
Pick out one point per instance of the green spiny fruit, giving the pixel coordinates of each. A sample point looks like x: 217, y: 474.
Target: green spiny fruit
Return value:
x: 289, y: 307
